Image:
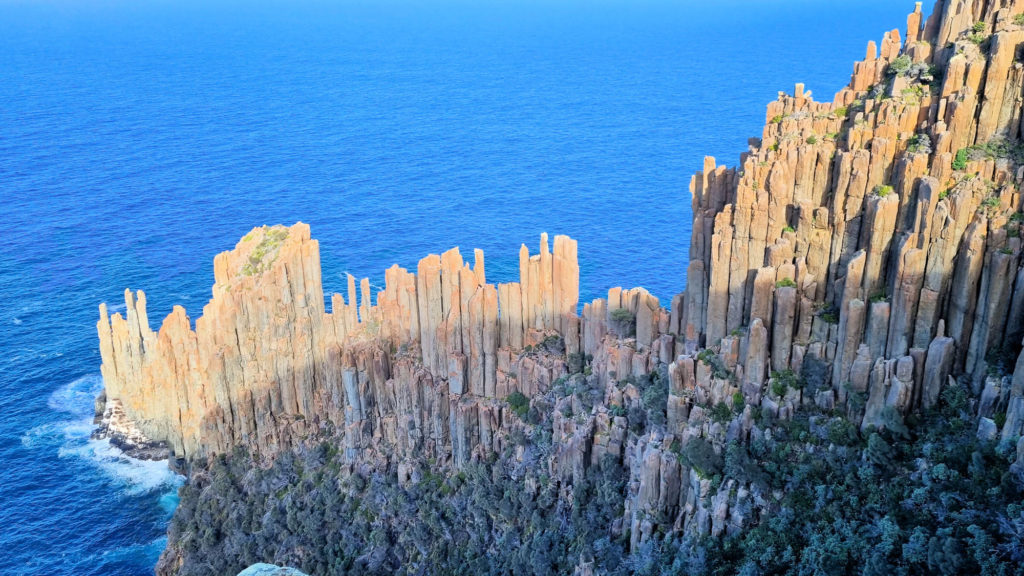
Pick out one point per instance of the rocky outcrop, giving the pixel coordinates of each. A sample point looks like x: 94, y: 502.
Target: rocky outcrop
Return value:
x: 862, y: 259
x: 896, y: 205
x: 423, y: 366
x: 269, y: 570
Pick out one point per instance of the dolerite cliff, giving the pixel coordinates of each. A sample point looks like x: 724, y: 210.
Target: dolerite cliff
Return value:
x: 855, y: 296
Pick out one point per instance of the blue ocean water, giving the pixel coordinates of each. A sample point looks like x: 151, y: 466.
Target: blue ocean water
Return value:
x: 139, y: 138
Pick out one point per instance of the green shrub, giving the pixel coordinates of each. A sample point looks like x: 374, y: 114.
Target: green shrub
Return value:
x: 913, y: 94
x: 623, y: 323
x: 263, y: 255
x: 700, y: 455
x: 830, y: 314
x: 789, y: 229
x: 738, y: 402
x: 786, y: 283
x: 978, y: 27
x: 519, y: 403
x: 654, y: 396
x: 1000, y: 419
x: 718, y: 369
x: 996, y: 149
x: 960, y: 160
x: 841, y: 112
x: 777, y: 119
x: 1019, y: 19
x: 842, y: 432
x: 919, y: 143
x: 812, y: 139
x: 784, y: 380
x: 883, y: 191
x: 900, y: 66
x: 721, y: 413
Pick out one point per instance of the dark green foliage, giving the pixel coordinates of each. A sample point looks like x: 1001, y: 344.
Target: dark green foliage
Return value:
x: 519, y: 403
x: 654, y: 394
x: 553, y: 344
x: 900, y: 66
x: 623, y: 323
x: 829, y: 314
x: 740, y: 465
x: 1001, y: 360
x: 936, y: 502
x: 721, y: 413
x: 842, y: 432
x: 712, y: 360
x: 700, y: 455
x: 939, y: 502
x: 738, y: 402
x: 304, y: 512
x: 784, y: 380
x: 578, y: 362
x: 960, y: 160
x: 995, y: 149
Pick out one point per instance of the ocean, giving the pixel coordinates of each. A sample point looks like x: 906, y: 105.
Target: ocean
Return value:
x: 139, y: 138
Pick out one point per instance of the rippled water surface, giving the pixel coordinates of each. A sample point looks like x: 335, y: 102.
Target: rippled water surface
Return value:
x: 139, y: 138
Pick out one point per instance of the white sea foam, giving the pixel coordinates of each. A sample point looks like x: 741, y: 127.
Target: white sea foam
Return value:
x: 17, y: 321
x: 137, y: 476
x: 73, y: 438
x: 77, y: 397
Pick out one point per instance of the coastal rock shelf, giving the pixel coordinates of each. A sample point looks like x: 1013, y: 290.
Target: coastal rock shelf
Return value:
x: 864, y: 257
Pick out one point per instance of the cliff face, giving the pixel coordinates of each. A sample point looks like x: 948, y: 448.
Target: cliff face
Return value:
x: 863, y: 259
x: 423, y: 370
x: 877, y: 236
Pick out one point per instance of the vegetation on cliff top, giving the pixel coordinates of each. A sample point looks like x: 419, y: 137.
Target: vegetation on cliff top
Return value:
x: 263, y: 255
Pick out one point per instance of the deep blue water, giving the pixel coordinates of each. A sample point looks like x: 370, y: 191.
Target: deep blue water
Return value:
x: 138, y: 138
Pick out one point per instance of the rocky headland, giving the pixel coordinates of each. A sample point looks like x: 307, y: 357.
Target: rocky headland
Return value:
x: 839, y: 388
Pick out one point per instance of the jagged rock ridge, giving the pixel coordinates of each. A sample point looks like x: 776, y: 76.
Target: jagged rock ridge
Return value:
x: 423, y: 370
